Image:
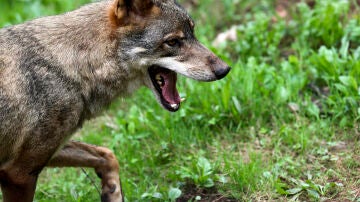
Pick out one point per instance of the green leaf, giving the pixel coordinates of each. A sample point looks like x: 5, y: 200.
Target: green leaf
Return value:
x: 222, y: 179
x: 212, y: 121
x: 313, y: 110
x: 157, y: 195
x: 280, y: 188
x: 313, y: 193
x: 205, y: 165
x: 236, y: 104
x: 283, y: 94
x: 209, y: 183
x: 342, y: 88
x: 348, y: 81
x: 293, y: 191
x: 174, y: 193
x: 344, y: 50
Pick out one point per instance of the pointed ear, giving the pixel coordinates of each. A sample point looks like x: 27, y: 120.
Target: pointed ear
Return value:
x: 124, y: 10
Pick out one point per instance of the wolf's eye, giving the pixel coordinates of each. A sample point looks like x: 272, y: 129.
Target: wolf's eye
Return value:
x: 173, y: 42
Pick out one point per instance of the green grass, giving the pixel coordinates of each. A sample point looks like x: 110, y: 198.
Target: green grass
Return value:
x: 284, y: 125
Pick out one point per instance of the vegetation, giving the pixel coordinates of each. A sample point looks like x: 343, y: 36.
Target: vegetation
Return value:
x: 284, y: 125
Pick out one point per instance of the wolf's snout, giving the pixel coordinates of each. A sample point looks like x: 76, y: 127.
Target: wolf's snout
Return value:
x: 222, y: 72
x: 219, y: 67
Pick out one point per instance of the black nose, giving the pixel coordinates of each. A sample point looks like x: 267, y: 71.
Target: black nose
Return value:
x: 222, y: 72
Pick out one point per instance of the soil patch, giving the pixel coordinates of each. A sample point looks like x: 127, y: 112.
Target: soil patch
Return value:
x: 192, y: 193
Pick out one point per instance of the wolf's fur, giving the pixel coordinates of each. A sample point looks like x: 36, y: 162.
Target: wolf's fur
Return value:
x: 56, y: 72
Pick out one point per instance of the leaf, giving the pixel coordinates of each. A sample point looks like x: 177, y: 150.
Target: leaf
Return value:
x: 313, y: 193
x: 356, y: 53
x: 280, y: 188
x: 131, y: 128
x: 145, y: 195
x: 314, y: 110
x: 174, y: 193
x: 157, y: 195
x: 237, y: 104
x: 222, y: 179
x: 185, y: 173
x: 283, y: 93
x: 205, y: 165
x: 348, y: 81
x: 267, y: 175
x: 344, y: 47
x: 212, y: 121
x: 293, y: 60
x: 209, y: 183
x: 293, y: 191
x: 295, y: 197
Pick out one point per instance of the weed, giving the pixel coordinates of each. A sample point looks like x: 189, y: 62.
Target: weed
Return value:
x: 201, y: 173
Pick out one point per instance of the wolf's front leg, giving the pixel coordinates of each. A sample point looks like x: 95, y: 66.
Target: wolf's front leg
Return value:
x: 103, y: 160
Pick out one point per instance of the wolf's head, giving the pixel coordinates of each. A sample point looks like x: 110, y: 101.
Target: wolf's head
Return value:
x: 158, y: 40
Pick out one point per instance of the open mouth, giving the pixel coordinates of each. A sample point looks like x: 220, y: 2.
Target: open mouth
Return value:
x: 164, y: 81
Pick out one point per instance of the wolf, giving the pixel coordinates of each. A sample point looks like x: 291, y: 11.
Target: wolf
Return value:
x: 57, y: 72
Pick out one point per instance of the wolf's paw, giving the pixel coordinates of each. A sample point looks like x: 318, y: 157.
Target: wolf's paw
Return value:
x: 111, y: 192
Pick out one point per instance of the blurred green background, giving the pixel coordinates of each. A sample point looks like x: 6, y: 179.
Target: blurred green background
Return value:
x: 283, y: 126
x: 17, y: 11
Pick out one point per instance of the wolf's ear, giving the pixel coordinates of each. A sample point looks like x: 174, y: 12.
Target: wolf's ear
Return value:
x: 126, y: 11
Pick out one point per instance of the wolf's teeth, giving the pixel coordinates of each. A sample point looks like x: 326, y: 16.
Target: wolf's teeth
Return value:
x: 158, y: 77
x: 174, y: 106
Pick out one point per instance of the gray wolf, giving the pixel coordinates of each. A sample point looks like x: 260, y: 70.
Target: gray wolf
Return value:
x: 58, y: 71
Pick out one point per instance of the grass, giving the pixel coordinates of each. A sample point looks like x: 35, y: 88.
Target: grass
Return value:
x: 283, y: 126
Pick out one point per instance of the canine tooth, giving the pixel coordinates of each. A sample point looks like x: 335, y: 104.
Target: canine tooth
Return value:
x: 158, y: 77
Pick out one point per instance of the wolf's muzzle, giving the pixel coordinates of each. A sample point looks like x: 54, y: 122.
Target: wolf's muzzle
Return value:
x: 222, y: 72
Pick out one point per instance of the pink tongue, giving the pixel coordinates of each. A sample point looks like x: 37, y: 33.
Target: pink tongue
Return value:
x: 169, y: 91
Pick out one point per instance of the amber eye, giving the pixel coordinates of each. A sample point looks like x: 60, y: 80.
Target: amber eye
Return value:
x: 173, y: 42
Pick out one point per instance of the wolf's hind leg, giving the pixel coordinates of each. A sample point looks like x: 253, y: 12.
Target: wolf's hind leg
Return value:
x: 103, y: 160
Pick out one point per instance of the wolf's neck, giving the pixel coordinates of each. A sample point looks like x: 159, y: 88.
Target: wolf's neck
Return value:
x: 81, y: 42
